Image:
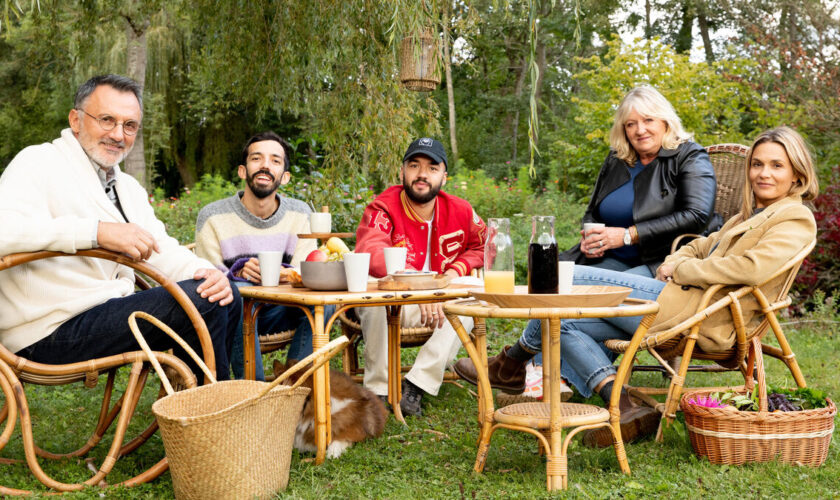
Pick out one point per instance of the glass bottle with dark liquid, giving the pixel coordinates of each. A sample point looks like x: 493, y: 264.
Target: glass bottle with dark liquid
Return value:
x: 542, y: 256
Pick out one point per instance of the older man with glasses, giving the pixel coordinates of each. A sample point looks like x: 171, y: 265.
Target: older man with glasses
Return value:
x: 71, y: 195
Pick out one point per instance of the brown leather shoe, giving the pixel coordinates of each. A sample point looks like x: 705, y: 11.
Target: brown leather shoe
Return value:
x: 636, y: 423
x: 505, y: 373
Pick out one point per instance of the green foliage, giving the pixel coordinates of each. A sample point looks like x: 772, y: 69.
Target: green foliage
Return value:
x: 708, y: 104
x: 744, y: 402
x: 807, y: 398
x: 489, y: 197
x: 179, y: 214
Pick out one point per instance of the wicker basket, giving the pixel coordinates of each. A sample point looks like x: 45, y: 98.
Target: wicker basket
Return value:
x: 419, y: 62
x: 231, y: 439
x: 738, y: 437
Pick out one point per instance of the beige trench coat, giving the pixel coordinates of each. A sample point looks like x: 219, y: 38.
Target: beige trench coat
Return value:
x: 741, y: 253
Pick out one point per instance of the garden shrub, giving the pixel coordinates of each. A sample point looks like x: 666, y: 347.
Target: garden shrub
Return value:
x: 179, y: 214
x: 821, y: 270
x: 487, y: 197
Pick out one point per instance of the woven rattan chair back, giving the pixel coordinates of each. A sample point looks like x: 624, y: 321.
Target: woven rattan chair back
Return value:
x: 728, y: 162
x: 16, y: 370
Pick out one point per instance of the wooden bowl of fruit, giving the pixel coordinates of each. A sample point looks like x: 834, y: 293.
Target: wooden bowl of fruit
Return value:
x: 323, y: 269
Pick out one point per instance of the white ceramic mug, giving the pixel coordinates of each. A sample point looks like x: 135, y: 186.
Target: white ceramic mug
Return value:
x: 587, y: 226
x: 270, y: 265
x: 320, y: 222
x: 356, y: 266
x: 565, y: 276
x: 395, y: 259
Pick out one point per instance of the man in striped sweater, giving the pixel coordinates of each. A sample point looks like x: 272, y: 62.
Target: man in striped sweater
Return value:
x: 230, y: 232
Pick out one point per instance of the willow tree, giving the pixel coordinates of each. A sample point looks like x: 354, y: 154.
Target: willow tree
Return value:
x: 329, y: 64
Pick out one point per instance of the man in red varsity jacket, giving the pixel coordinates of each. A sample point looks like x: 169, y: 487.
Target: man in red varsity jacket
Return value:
x: 442, y: 234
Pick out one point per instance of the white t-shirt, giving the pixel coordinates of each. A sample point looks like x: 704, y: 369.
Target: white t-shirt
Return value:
x: 427, y: 266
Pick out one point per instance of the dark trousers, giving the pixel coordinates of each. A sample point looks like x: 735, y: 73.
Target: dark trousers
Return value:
x: 103, y: 330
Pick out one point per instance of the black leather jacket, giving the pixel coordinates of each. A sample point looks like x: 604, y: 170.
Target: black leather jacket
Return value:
x: 674, y: 194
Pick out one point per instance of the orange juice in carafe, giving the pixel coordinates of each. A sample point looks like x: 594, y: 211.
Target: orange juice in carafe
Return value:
x: 498, y: 257
x: 498, y: 281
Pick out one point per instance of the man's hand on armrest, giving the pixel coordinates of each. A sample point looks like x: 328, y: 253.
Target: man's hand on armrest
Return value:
x: 126, y: 238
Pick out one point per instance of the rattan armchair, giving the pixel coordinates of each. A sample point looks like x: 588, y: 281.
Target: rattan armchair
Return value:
x: 16, y: 371
x: 681, y: 339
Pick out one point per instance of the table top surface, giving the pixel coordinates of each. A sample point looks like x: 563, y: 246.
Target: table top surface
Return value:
x: 287, y: 294
x: 479, y: 309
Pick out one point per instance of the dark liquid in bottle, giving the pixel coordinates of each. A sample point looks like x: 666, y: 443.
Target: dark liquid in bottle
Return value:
x: 542, y: 268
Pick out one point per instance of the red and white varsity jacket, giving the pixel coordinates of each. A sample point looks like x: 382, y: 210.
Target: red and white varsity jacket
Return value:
x: 458, y: 233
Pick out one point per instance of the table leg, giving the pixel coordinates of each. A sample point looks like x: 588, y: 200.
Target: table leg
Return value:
x: 477, y: 350
x: 249, y: 331
x: 546, y: 367
x: 321, y: 389
x: 394, y: 361
x: 557, y: 466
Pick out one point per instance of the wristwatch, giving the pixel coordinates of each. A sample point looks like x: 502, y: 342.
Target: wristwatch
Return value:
x: 627, y: 239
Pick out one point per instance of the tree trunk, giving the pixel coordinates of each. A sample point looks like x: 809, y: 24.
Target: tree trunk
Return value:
x: 682, y: 44
x: 450, y: 93
x: 704, y: 34
x: 135, y: 163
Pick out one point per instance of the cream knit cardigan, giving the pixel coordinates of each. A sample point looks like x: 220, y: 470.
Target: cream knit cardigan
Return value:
x: 51, y: 199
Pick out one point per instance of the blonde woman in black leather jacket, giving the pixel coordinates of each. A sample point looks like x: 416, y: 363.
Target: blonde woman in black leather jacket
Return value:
x: 655, y: 184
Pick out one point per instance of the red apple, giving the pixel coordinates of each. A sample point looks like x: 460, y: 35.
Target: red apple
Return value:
x: 316, y: 256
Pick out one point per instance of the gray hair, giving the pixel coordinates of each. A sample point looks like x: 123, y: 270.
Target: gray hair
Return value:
x: 118, y: 82
x: 646, y: 101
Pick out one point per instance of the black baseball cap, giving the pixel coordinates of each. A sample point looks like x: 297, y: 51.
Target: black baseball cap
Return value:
x: 428, y: 147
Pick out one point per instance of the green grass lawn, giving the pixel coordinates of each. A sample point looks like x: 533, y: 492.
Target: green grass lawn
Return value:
x: 432, y: 457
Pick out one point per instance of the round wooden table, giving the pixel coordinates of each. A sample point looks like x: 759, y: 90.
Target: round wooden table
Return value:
x: 546, y: 420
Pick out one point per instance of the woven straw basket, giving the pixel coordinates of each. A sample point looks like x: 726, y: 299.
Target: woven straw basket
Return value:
x: 230, y: 439
x: 738, y: 437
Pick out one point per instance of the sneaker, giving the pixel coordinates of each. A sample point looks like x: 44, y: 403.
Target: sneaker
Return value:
x: 533, y: 381
x: 412, y: 396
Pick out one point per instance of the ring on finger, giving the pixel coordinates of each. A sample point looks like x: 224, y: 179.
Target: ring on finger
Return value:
x: 601, y: 243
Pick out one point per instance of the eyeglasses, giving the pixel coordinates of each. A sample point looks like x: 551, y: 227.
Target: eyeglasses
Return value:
x: 107, y: 122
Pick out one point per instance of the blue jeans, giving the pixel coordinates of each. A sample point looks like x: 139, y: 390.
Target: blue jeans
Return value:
x: 103, y: 330
x: 605, y: 263
x: 273, y: 319
x: 585, y: 362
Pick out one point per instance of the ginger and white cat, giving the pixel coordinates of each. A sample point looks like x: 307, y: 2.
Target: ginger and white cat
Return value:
x: 356, y: 414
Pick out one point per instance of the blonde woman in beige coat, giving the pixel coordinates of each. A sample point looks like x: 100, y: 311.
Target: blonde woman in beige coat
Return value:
x: 772, y: 227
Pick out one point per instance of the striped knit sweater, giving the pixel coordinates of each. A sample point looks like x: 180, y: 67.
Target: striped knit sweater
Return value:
x: 227, y: 234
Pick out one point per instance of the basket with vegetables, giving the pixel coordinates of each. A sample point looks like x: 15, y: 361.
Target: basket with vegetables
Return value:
x: 792, y: 426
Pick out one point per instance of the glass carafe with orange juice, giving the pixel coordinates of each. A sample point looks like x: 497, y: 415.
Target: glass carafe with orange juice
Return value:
x: 498, y: 257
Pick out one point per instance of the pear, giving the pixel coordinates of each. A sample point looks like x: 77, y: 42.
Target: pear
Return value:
x: 337, y: 246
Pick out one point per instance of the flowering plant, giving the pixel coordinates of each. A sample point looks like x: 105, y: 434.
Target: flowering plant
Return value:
x: 706, y: 401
